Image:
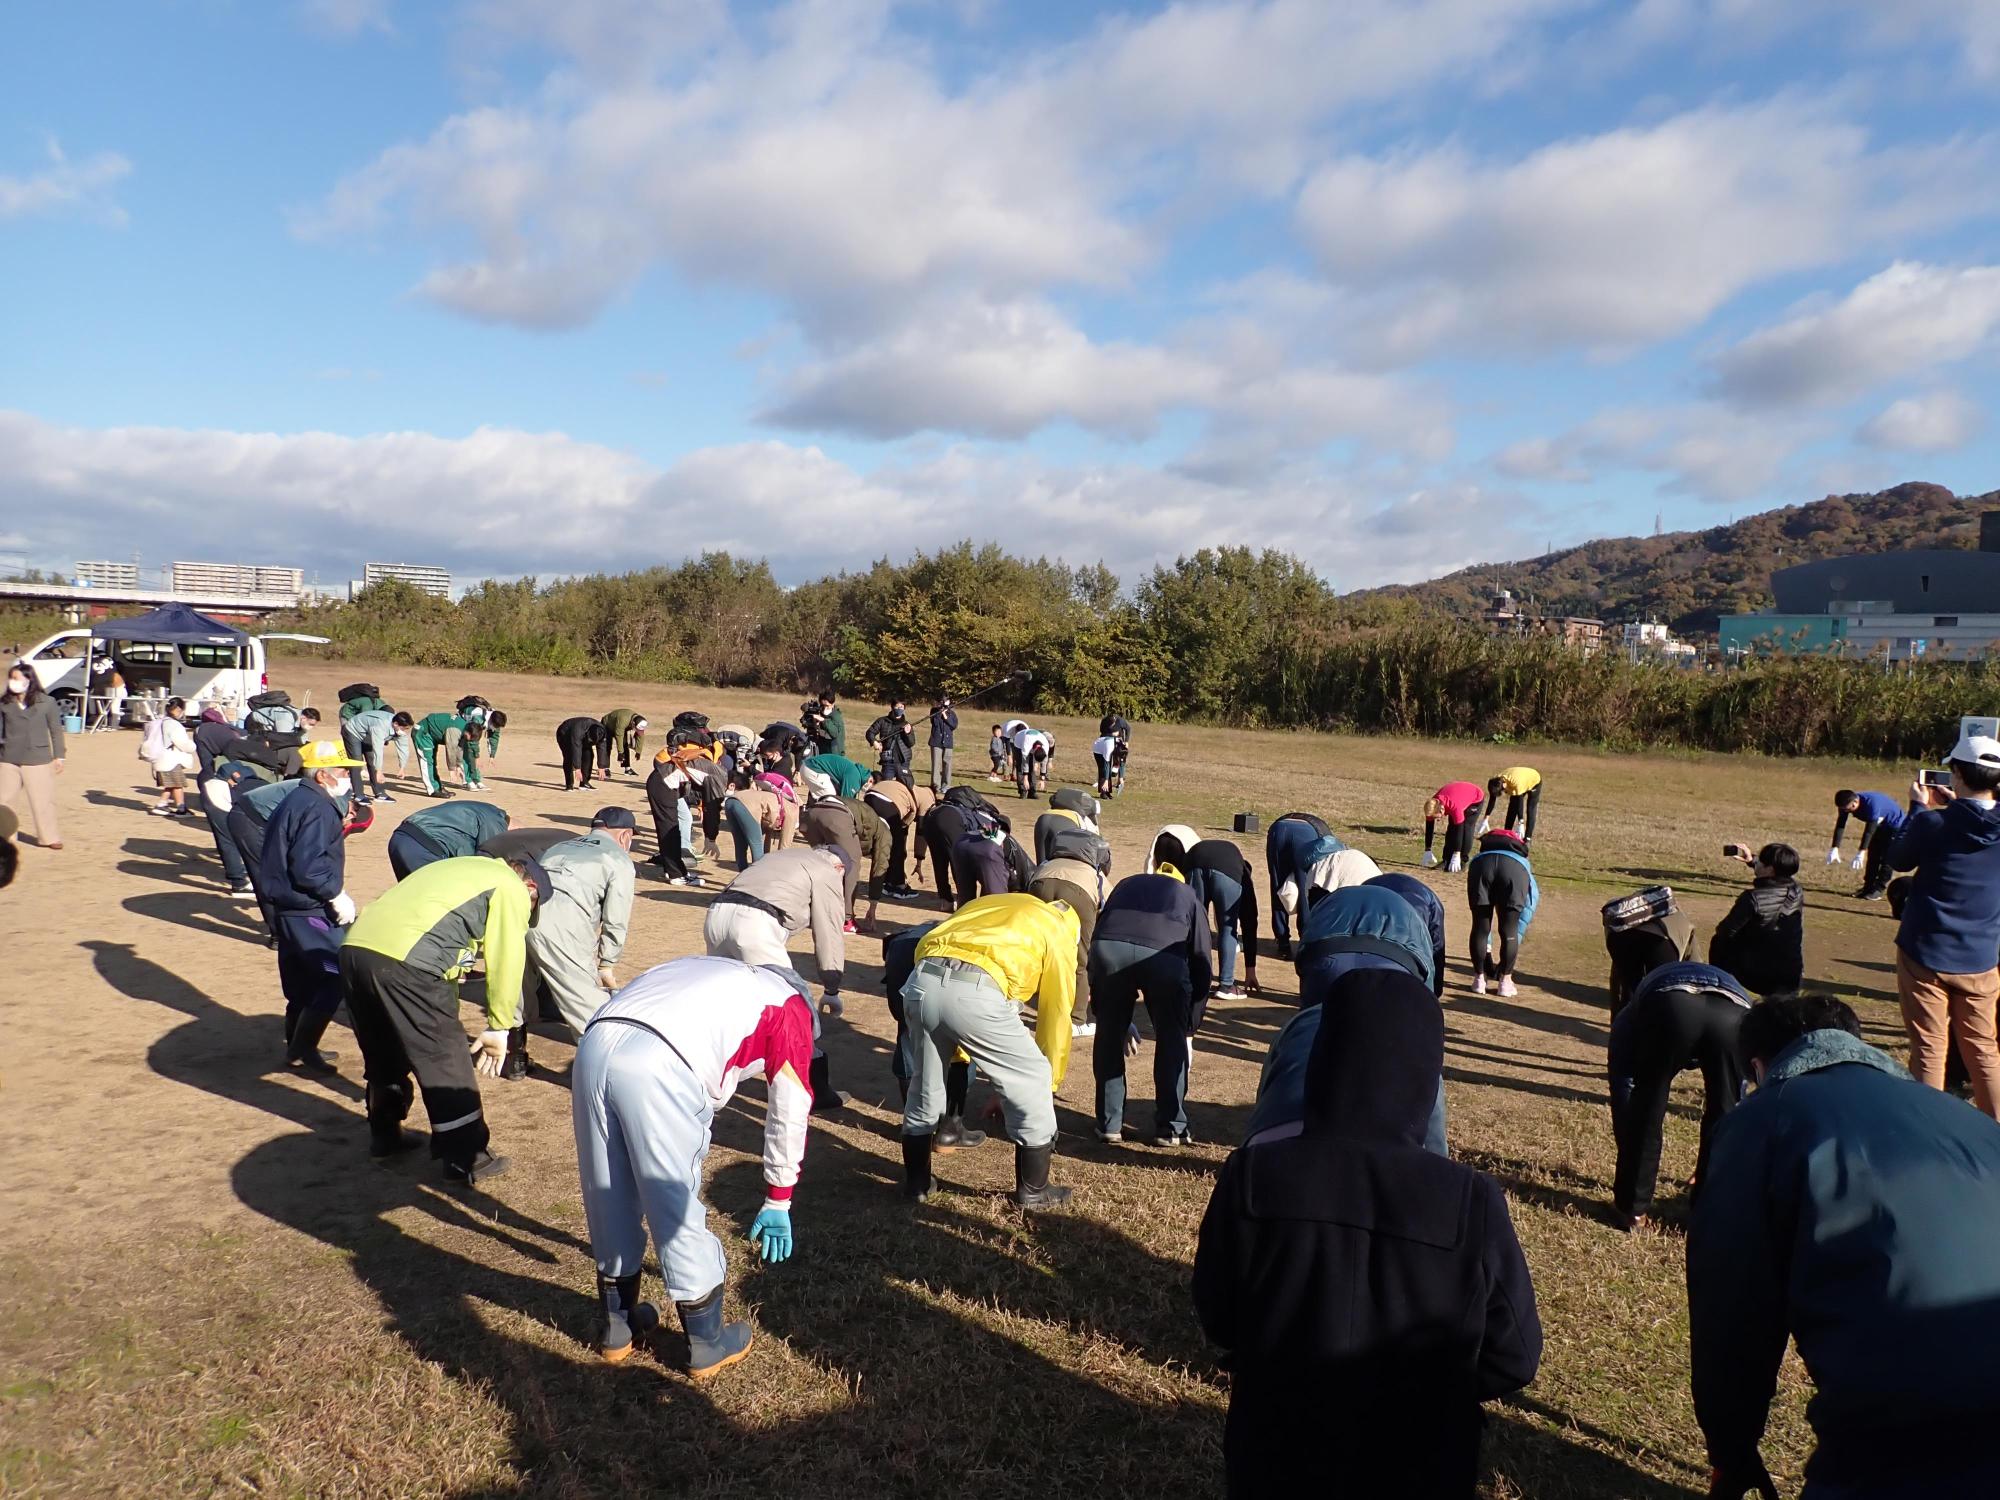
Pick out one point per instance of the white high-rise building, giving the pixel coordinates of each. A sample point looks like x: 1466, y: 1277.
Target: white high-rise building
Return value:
x: 108, y: 575
x: 236, y: 578
x: 429, y: 578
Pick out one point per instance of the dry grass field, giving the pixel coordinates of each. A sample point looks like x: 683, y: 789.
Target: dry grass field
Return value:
x: 212, y: 1291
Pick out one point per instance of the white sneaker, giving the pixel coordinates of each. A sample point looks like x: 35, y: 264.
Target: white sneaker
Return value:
x: 1507, y: 990
x: 1429, y: 861
x: 161, y: 810
x: 1479, y: 985
x: 1083, y: 1028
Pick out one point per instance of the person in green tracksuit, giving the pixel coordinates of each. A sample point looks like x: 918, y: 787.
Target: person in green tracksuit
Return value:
x: 487, y: 730
x: 628, y: 733
x: 399, y: 970
x: 428, y: 736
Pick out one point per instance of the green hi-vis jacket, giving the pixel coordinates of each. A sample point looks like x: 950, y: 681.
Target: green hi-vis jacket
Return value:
x: 442, y: 917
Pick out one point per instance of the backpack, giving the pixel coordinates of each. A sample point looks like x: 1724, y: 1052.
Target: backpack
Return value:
x: 1623, y: 913
x: 1090, y: 848
x: 272, y: 713
x: 359, y: 690
x: 688, y: 719
x: 365, y: 704
x: 468, y: 703
x: 1069, y: 799
x: 981, y: 808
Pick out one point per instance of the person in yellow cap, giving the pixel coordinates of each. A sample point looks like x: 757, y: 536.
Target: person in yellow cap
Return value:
x: 400, y: 968
x: 1523, y: 788
x: 972, y: 970
x: 303, y: 876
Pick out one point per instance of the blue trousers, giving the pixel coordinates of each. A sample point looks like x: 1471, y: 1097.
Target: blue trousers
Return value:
x: 308, y: 963
x: 1224, y: 894
x: 746, y: 831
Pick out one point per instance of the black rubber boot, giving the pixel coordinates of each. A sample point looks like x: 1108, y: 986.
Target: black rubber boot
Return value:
x: 826, y: 1098
x: 917, y: 1182
x: 302, y: 1044
x: 387, y: 1108
x: 957, y: 1084
x: 1031, y: 1178
x: 713, y: 1345
x: 626, y: 1318
x: 953, y: 1136
x: 515, y: 1068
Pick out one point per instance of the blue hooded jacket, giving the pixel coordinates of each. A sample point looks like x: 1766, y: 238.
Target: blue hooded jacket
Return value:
x: 1351, y: 931
x: 1951, y: 920
x: 1430, y: 908
x: 1857, y: 1211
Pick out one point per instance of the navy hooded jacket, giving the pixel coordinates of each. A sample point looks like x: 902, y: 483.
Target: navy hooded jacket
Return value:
x: 1951, y: 919
x: 1368, y: 1295
x: 304, y: 863
x: 1856, y: 1211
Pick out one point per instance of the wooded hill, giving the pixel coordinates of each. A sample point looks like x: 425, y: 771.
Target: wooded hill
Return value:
x: 1687, y: 579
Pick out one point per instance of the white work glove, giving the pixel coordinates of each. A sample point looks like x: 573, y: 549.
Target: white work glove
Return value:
x: 1858, y: 861
x: 1484, y: 825
x: 1455, y: 866
x: 216, y: 790
x: 1833, y: 855
x: 1429, y: 861
x: 489, y: 1052
x: 344, y: 911
x: 1131, y: 1041
x: 830, y: 1004
x: 607, y: 977
x: 1288, y: 897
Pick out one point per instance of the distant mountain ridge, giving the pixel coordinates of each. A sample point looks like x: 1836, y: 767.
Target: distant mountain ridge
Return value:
x: 1688, y: 579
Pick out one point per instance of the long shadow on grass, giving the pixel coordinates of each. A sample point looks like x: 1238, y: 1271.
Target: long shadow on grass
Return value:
x: 1593, y: 1033
x: 1550, y: 1466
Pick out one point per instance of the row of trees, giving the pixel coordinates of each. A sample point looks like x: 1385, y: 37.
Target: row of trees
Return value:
x: 1225, y: 635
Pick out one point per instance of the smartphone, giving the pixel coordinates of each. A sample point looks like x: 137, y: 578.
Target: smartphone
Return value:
x: 1733, y: 851
x: 1935, y: 778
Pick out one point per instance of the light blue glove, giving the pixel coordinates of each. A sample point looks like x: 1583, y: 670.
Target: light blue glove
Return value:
x: 772, y: 1232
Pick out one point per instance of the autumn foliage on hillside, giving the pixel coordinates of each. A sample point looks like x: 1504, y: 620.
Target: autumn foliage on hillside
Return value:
x: 1687, y: 579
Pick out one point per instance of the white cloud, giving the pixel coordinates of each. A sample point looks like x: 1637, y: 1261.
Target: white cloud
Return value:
x: 1615, y: 240
x: 1705, y: 449
x: 326, y: 502
x: 347, y: 18
x: 65, y: 186
x: 815, y: 152
x: 1935, y: 422
x: 1904, y: 320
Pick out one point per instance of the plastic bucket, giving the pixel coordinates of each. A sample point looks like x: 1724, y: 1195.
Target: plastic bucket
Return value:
x: 72, y: 723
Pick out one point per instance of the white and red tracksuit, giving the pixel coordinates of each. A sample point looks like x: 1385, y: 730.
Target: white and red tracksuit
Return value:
x: 657, y: 1060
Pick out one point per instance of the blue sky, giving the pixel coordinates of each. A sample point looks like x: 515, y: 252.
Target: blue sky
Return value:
x: 546, y: 286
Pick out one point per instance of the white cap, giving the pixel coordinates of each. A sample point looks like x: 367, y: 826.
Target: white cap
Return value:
x: 1977, y: 750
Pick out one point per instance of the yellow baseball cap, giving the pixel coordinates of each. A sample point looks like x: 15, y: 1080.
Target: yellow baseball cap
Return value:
x: 324, y: 755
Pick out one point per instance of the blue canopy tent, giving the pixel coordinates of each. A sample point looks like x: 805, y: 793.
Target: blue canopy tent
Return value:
x: 170, y: 624
x: 175, y: 628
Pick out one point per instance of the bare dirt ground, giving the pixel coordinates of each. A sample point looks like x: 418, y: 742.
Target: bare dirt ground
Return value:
x: 212, y: 1290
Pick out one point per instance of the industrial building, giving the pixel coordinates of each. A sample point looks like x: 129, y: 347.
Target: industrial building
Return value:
x: 108, y: 575
x: 425, y: 576
x: 236, y: 578
x: 1905, y: 606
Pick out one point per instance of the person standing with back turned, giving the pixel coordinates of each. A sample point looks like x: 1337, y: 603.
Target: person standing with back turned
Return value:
x: 1948, y: 946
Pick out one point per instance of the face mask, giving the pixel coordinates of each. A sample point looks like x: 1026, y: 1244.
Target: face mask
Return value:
x: 339, y: 790
x: 17, y: 685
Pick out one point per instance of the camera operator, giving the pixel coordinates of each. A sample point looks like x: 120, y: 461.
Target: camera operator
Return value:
x: 1761, y: 942
x: 824, y: 724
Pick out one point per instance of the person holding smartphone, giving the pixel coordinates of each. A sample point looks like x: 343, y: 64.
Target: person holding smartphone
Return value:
x: 1947, y: 942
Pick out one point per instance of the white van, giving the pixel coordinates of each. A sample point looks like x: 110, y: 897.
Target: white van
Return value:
x: 225, y: 675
